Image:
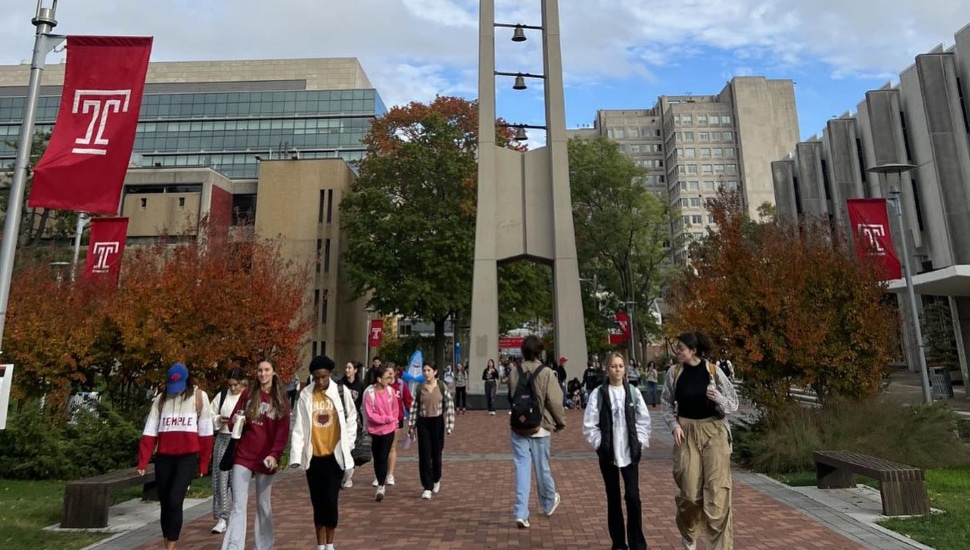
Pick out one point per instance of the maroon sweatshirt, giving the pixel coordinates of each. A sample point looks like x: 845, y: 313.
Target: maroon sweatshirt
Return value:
x: 266, y: 436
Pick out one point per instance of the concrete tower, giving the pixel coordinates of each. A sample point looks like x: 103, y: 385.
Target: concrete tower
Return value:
x: 524, y: 206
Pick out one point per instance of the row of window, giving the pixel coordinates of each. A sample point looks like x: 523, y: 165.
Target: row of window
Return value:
x: 249, y: 141
x: 644, y: 148
x: 237, y: 166
x: 703, y: 120
x: 362, y: 123
x: 703, y: 137
x: 695, y: 219
x: 649, y: 163
x: 706, y: 152
x: 632, y: 132
x: 707, y: 169
x: 708, y: 185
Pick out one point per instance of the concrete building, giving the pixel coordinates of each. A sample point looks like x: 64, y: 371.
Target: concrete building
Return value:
x: 244, y: 143
x: 692, y: 145
x: 920, y: 121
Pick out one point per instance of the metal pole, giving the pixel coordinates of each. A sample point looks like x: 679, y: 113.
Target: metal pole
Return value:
x: 911, y: 292
x: 43, y: 44
x: 82, y: 218
x: 630, y: 307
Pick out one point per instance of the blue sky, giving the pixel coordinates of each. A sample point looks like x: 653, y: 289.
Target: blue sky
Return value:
x: 616, y: 53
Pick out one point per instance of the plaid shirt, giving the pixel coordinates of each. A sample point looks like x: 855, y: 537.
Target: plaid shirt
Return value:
x: 448, y: 406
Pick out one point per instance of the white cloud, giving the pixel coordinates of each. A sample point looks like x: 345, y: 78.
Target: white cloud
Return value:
x: 413, y: 49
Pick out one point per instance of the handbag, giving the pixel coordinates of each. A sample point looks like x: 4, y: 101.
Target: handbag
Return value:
x: 228, y: 457
x: 362, y: 442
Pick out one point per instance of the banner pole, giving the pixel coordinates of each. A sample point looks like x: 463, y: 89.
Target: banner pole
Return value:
x: 82, y: 218
x: 43, y: 44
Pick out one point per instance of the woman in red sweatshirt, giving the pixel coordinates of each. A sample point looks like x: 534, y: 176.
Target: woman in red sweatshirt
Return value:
x: 264, y: 410
x: 179, y: 431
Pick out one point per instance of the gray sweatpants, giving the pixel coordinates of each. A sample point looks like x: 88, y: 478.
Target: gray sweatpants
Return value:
x: 220, y: 479
x: 235, y: 538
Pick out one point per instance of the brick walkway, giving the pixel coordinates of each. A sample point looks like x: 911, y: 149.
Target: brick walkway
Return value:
x: 473, y: 510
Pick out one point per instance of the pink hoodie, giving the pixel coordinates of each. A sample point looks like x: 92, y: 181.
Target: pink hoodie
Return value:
x: 381, y: 410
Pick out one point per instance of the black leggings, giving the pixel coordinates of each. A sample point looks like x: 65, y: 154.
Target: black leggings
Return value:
x: 461, y: 397
x: 431, y: 444
x: 381, y: 446
x: 323, y: 477
x: 173, y: 474
x: 490, y: 395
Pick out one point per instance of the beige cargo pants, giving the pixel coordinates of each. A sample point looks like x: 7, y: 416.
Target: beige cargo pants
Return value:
x: 702, y: 471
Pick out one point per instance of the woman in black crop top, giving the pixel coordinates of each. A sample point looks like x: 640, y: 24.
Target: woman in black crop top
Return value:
x: 696, y: 397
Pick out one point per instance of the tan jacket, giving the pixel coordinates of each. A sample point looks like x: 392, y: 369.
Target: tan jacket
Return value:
x: 548, y: 394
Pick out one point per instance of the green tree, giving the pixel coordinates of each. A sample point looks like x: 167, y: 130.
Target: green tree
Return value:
x: 621, y: 230
x: 410, y: 216
x: 788, y: 303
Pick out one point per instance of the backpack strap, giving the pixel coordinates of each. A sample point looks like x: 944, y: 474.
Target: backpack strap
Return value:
x: 222, y: 397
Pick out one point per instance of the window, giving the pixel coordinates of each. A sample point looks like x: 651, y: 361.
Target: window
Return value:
x: 696, y: 220
x: 323, y: 204
x: 729, y: 152
x: 319, y: 253
x: 704, y: 136
x: 707, y: 169
x: 687, y: 120
x: 708, y: 186
x: 689, y: 153
x: 702, y: 120
x: 679, y: 152
x: 727, y: 136
x: 676, y: 120
x: 718, y: 152
x: 181, y: 202
x: 619, y: 133
x: 633, y: 132
x: 726, y: 120
x: 695, y: 203
x: 689, y: 136
x: 686, y: 220
x: 693, y: 186
x: 718, y: 168
x: 326, y: 257
x: 706, y: 153
x: 692, y: 169
x: 144, y: 203
x: 683, y: 203
x: 683, y: 186
x: 682, y: 169
x: 634, y: 149
x: 710, y: 219
x: 329, y: 205
x: 732, y: 169
x: 323, y: 307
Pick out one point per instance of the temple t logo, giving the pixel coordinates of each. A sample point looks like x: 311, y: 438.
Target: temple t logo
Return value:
x: 99, y: 104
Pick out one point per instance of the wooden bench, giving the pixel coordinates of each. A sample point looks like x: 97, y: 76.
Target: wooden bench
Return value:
x: 902, y: 487
x: 86, y: 501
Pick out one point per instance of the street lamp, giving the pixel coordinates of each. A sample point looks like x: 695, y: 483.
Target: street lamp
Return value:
x: 368, y: 310
x: 896, y: 199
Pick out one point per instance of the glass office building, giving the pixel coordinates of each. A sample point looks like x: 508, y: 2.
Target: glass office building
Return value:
x: 228, y: 130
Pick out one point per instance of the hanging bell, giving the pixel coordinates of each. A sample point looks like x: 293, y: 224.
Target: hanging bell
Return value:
x: 520, y: 134
x: 518, y: 35
x: 519, y: 83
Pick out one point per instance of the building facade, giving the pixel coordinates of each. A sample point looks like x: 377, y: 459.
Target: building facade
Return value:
x: 693, y: 145
x: 258, y: 147
x: 922, y: 121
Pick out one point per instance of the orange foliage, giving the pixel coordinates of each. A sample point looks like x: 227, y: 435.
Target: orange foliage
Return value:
x: 200, y: 303
x: 790, y: 305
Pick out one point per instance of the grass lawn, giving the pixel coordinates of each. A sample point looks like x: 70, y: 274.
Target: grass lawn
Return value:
x: 26, y: 507
x: 949, y: 490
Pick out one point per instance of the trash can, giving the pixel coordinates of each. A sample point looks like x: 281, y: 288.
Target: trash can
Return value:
x: 941, y: 385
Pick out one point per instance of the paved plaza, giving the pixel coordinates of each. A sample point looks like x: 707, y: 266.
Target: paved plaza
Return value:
x: 473, y: 510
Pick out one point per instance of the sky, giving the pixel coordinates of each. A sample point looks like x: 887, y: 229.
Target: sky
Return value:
x: 617, y: 54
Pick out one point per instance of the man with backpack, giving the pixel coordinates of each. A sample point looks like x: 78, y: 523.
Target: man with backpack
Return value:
x: 536, y: 412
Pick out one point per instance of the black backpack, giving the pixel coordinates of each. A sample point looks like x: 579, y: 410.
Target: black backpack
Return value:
x: 526, y: 414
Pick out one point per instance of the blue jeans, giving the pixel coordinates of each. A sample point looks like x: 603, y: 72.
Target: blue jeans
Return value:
x: 536, y: 451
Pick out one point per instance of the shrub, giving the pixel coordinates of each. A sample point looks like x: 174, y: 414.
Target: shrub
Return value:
x: 924, y: 436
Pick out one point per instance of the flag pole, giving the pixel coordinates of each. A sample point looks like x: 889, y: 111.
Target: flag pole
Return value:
x: 44, y: 42
x: 82, y: 218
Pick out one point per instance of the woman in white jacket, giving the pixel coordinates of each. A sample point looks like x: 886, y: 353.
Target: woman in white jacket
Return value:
x: 324, y: 434
x: 617, y: 425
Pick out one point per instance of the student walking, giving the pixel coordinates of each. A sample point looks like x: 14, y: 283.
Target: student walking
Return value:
x: 179, y: 431
x: 696, y: 397
x: 222, y: 406
x: 461, y: 388
x: 490, y: 376
x: 617, y: 425
x: 264, y: 410
x: 381, y: 410
x: 324, y: 434
x: 404, y: 400
x: 537, y: 413
x: 432, y: 416
x: 651, y: 378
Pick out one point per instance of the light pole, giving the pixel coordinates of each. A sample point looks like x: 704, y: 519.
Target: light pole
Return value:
x: 630, y: 306
x: 44, y: 42
x: 368, y: 310
x: 896, y: 199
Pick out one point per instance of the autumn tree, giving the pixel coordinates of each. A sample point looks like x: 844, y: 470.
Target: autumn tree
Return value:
x: 200, y: 302
x: 789, y: 304
x: 621, y: 229
x: 410, y: 217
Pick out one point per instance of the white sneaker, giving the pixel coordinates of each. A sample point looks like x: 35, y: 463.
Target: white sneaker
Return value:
x: 522, y: 523
x: 390, y: 480
x: 220, y: 527
x: 688, y: 544
x: 426, y: 495
x: 347, y: 484
x: 375, y: 483
x: 437, y: 487
x: 379, y: 496
x: 555, y: 505
x: 491, y: 413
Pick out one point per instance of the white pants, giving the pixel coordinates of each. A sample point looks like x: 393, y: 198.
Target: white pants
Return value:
x: 235, y: 538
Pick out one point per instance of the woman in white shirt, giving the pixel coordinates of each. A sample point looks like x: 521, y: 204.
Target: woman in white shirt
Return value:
x: 617, y: 425
x: 222, y: 405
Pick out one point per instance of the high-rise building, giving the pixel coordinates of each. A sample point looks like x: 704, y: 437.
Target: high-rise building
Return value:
x: 693, y: 145
x: 261, y: 148
x: 922, y: 121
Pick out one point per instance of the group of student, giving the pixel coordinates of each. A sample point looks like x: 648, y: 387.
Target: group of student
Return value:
x: 250, y: 421
x: 179, y: 430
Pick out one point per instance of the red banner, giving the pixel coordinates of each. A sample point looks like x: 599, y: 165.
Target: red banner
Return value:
x: 873, y: 238
x: 616, y: 339
x: 106, y: 247
x: 84, y: 165
x: 623, y: 320
x: 511, y: 342
x: 376, y: 332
